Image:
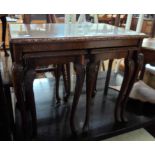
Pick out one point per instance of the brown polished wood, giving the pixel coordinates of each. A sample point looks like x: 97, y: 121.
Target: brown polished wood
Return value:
x: 114, y: 19
x: 50, y: 18
x: 147, y: 26
x: 61, y: 43
x: 153, y: 28
x: 117, y: 20
x: 108, y: 76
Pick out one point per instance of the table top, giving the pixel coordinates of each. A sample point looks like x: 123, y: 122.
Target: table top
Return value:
x: 69, y: 32
x: 149, y: 43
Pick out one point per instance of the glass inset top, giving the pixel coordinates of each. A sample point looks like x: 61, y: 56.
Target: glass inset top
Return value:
x: 69, y: 31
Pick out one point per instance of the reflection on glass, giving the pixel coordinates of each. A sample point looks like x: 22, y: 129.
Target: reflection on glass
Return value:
x: 67, y: 30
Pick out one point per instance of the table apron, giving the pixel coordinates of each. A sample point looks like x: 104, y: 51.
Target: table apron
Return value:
x: 45, y: 61
x: 59, y: 46
x: 112, y: 53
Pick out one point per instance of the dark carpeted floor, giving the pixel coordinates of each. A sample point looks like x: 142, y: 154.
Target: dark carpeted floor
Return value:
x: 53, y: 121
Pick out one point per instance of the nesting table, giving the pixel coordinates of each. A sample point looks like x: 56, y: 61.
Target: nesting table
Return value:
x: 83, y: 44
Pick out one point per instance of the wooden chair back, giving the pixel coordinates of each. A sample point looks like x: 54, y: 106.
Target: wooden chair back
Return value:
x: 50, y: 18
